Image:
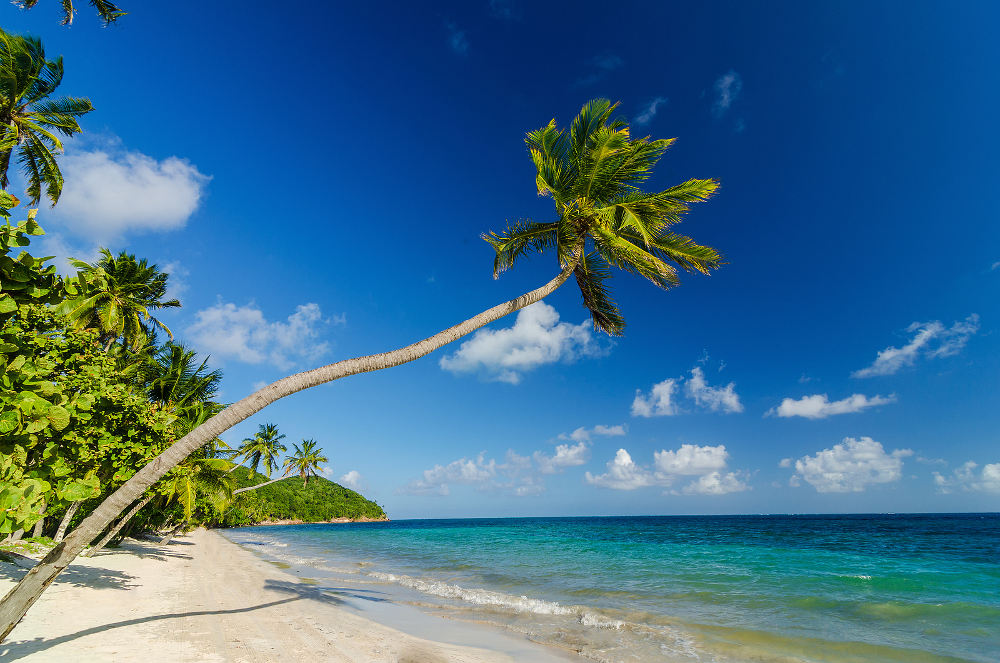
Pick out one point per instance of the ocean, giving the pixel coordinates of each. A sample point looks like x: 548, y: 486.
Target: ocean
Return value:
x: 908, y: 588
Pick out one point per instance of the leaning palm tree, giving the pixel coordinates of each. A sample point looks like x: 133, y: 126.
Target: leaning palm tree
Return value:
x: 179, y: 381
x: 306, y: 461
x: 30, y: 118
x: 264, y: 447
x: 592, y: 171
x: 115, y: 295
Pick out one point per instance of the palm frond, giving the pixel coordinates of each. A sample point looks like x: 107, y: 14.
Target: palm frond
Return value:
x: 520, y: 239
x: 591, y: 273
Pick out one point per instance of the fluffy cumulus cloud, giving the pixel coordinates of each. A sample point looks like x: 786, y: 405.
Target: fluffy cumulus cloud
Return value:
x: 537, y: 338
x: 660, y: 402
x: 649, y: 110
x: 706, y: 463
x: 513, y: 476
x: 849, y: 467
x: 565, y: 456
x: 716, y: 399
x: 819, y: 406
x: 726, y: 89
x: 244, y: 333
x: 351, y: 480
x: 110, y: 192
x: 622, y: 474
x: 986, y: 480
x: 930, y: 340
x: 663, y: 400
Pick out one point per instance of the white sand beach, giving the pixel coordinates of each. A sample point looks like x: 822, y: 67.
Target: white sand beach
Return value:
x: 204, y: 599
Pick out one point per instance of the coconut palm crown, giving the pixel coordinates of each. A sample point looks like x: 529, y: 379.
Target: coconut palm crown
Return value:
x: 30, y: 119
x: 264, y: 447
x: 592, y: 171
x: 306, y: 460
x: 115, y: 296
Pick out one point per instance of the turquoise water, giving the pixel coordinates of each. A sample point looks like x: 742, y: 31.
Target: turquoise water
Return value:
x: 715, y: 588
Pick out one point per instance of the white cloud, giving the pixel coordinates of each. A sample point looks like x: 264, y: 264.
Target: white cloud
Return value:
x: 177, y: 283
x: 514, y: 476
x: 850, y: 466
x: 707, y: 463
x: 662, y: 399
x: 727, y: 90
x: 930, y: 339
x: 457, y: 40
x: 716, y: 483
x: 649, y: 110
x: 659, y: 403
x: 110, y: 192
x: 242, y: 332
x: 351, y: 480
x: 723, y: 399
x: 583, y: 434
x: 622, y: 474
x: 995, y: 266
x: 537, y: 338
x: 691, y: 459
x: 565, y: 456
x: 819, y: 406
x: 966, y: 478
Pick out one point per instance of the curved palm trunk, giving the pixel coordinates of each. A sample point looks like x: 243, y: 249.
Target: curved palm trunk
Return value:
x: 117, y: 528
x: 26, y: 592
x: 172, y: 533
x: 64, y: 524
x: 260, y: 485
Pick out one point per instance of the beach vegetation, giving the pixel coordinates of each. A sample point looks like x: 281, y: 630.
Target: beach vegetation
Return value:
x: 305, y: 461
x: 31, y: 120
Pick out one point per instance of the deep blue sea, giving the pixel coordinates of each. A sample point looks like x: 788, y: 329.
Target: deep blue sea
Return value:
x: 832, y: 588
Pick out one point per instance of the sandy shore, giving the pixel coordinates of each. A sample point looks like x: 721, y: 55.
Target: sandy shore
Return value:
x: 204, y: 599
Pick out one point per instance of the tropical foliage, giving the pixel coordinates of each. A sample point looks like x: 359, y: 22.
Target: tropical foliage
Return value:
x: 264, y: 447
x: 31, y: 122
x: 592, y: 172
x: 108, y: 11
x: 305, y: 461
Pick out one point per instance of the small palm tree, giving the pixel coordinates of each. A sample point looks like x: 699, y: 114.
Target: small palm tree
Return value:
x: 179, y: 381
x: 114, y: 295
x: 30, y: 118
x: 264, y: 447
x: 305, y: 460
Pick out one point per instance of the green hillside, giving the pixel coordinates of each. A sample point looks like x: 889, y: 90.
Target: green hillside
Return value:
x: 318, y: 501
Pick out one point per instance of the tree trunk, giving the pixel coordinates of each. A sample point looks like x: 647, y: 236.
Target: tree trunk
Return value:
x: 16, y: 535
x: 64, y: 524
x: 260, y: 485
x: 26, y: 592
x: 117, y: 528
x: 40, y: 523
x: 170, y: 535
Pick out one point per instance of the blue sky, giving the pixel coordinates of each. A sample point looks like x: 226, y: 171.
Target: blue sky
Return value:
x: 316, y: 182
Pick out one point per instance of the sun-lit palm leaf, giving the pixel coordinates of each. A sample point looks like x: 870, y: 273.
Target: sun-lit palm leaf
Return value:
x: 27, y: 79
x: 593, y: 171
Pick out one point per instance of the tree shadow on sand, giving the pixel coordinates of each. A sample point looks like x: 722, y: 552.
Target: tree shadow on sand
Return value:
x: 14, y: 650
x: 77, y: 576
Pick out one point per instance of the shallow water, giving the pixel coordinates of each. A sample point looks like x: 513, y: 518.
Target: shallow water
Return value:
x: 825, y: 588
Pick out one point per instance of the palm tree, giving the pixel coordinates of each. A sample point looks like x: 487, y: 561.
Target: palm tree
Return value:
x: 265, y: 446
x: 108, y: 11
x: 114, y: 295
x: 30, y: 118
x: 305, y: 460
x: 177, y: 380
x: 592, y: 172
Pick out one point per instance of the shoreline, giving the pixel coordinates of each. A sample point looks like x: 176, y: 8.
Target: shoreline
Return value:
x: 203, y: 598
